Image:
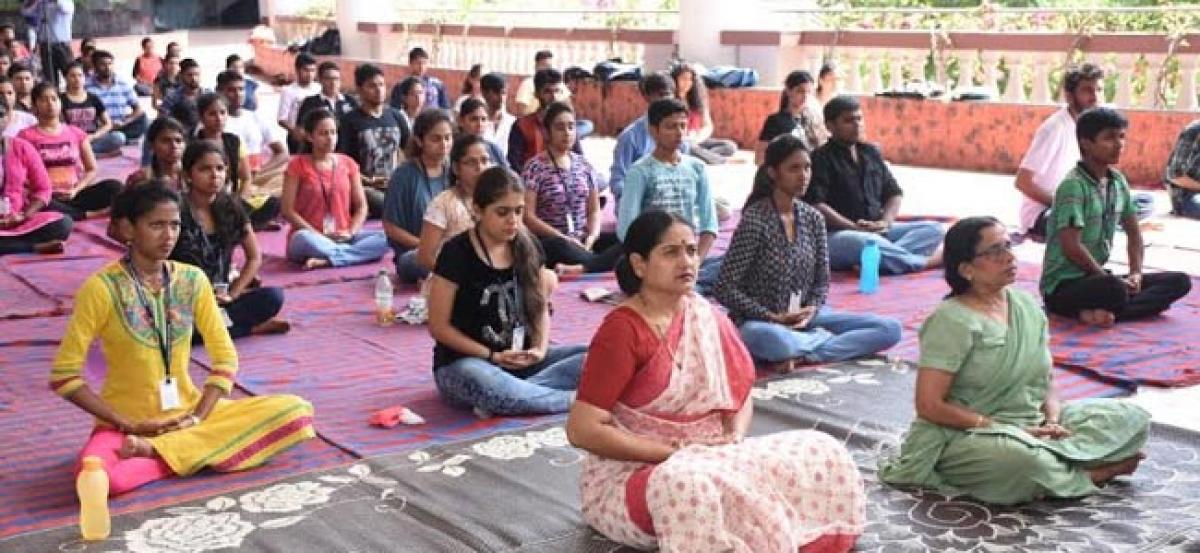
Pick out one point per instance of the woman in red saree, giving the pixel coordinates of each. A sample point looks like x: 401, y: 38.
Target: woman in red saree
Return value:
x: 663, y: 407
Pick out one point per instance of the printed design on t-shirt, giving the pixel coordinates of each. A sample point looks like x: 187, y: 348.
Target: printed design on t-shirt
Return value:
x: 673, y: 193
x: 377, y: 149
x: 60, y: 163
x: 501, y: 298
x: 83, y: 117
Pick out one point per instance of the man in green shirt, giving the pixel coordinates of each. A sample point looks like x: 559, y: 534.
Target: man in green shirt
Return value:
x: 1089, y: 203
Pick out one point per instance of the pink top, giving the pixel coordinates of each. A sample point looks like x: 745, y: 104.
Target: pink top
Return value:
x: 61, y: 153
x: 25, y: 179
x: 327, y: 189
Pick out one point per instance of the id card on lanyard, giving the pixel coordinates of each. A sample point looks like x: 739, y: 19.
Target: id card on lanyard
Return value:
x: 168, y: 388
x: 328, y: 223
x: 568, y: 188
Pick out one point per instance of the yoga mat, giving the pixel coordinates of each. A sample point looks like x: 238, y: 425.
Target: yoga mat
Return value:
x: 42, y: 435
x: 348, y: 367
x: 19, y: 300
x: 519, y: 491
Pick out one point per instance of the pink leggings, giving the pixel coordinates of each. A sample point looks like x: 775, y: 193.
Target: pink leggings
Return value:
x: 123, y: 474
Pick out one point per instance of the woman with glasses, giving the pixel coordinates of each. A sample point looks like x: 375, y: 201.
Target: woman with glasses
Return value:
x: 775, y: 277
x: 988, y: 423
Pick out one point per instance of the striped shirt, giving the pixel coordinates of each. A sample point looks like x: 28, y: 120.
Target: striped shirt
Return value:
x: 118, y: 97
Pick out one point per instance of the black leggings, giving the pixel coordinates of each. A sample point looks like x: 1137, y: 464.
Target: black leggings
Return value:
x: 58, y: 230
x: 96, y: 197
x: 375, y: 198
x: 267, y: 212
x: 252, y: 308
x: 1108, y: 292
x: 603, y: 256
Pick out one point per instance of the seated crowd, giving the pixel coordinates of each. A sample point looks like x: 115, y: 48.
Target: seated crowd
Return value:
x: 485, y: 210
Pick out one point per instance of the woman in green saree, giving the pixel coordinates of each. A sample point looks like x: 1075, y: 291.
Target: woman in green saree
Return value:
x: 988, y: 423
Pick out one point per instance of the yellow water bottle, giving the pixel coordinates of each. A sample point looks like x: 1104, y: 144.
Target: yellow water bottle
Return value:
x: 92, y: 487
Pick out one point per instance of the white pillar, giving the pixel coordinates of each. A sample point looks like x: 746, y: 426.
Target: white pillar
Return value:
x: 991, y: 64
x: 1187, y: 85
x: 854, y: 60
x: 966, y: 69
x: 1153, y: 88
x: 1125, y: 67
x: 1016, y: 78
x: 1041, y: 80
x: 895, y: 70
x: 701, y: 23
x: 349, y: 13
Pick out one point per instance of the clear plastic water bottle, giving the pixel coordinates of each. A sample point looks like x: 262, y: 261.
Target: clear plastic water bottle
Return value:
x: 384, y: 313
x: 5, y: 207
x: 868, y: 276
x: 92, y: 487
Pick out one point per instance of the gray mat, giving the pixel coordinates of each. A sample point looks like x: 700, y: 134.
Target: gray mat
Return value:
x: 519, y: 492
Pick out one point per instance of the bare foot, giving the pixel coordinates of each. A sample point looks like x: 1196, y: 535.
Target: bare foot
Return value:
x: 781, y: 367
x: 564, y: 269
x: 316, y: 263
x: 1105, y: 318
x: 935, y: 260
x: 1088, y: 317
x: 273, y: 326
x: 105, y: 155
x: 1105, y: 473
x: 135, y: 446
x: 51, y: 247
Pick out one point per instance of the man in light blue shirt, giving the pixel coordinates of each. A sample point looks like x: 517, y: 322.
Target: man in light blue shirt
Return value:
x: 636, y: 142
x: 670, y: 181
x: 60, y: 13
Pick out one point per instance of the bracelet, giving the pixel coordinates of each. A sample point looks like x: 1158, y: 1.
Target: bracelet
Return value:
x: 979, y: 421
x: 490, y: 355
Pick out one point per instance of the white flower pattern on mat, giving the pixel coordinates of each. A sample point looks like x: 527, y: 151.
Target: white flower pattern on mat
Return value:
x: 789, y: 387
x: 507, y: 448
x: 189, y: 533
x: 285, y: 498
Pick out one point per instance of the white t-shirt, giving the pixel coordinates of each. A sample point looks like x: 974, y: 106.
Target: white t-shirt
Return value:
x: 290, y: 98
x: 1051, y: 155
x: 256, y: 133
x: 18, y: 121
x: 498, y: 133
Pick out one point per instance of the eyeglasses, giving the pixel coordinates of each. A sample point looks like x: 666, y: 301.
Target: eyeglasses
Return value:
x: 996, y: 252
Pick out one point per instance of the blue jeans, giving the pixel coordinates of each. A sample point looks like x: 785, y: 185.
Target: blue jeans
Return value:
x: 407, y: 268
x: 547, y: 387
x: 706, y: 277
x: 134, y: 129
x: 110, y: 142
x: 363, y: 247
x: 852, y: 335
x: 905, y: 247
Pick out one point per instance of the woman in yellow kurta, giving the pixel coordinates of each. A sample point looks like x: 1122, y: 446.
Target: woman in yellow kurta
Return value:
x: 151, y: 421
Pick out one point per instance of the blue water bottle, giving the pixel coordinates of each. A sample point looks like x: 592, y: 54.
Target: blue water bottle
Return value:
x: 868, y: 276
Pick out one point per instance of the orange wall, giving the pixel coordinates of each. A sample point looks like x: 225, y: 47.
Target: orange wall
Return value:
x: 984, y: 136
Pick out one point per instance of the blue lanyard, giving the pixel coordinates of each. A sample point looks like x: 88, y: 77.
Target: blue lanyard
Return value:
x: 162, y: 332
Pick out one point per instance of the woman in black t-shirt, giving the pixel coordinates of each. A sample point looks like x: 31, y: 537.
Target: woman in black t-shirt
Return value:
x: 212, y: 225
x: 83, y: 109
x: 797, y: 115
x: 489, y: 313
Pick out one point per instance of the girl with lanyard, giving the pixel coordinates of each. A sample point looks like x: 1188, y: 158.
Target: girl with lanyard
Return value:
x: 413, y: 186
x: 67, y: 153
x: 489, y: 315
x: 24, y: 190
x: 324, y: 202
x: 167, y: 139
x: 213, y: 224
x: 563, y: 192
x: 152, y: 422
x: 214, y: 113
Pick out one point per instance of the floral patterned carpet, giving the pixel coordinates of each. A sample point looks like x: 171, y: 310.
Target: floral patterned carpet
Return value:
x: 518, y: 491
